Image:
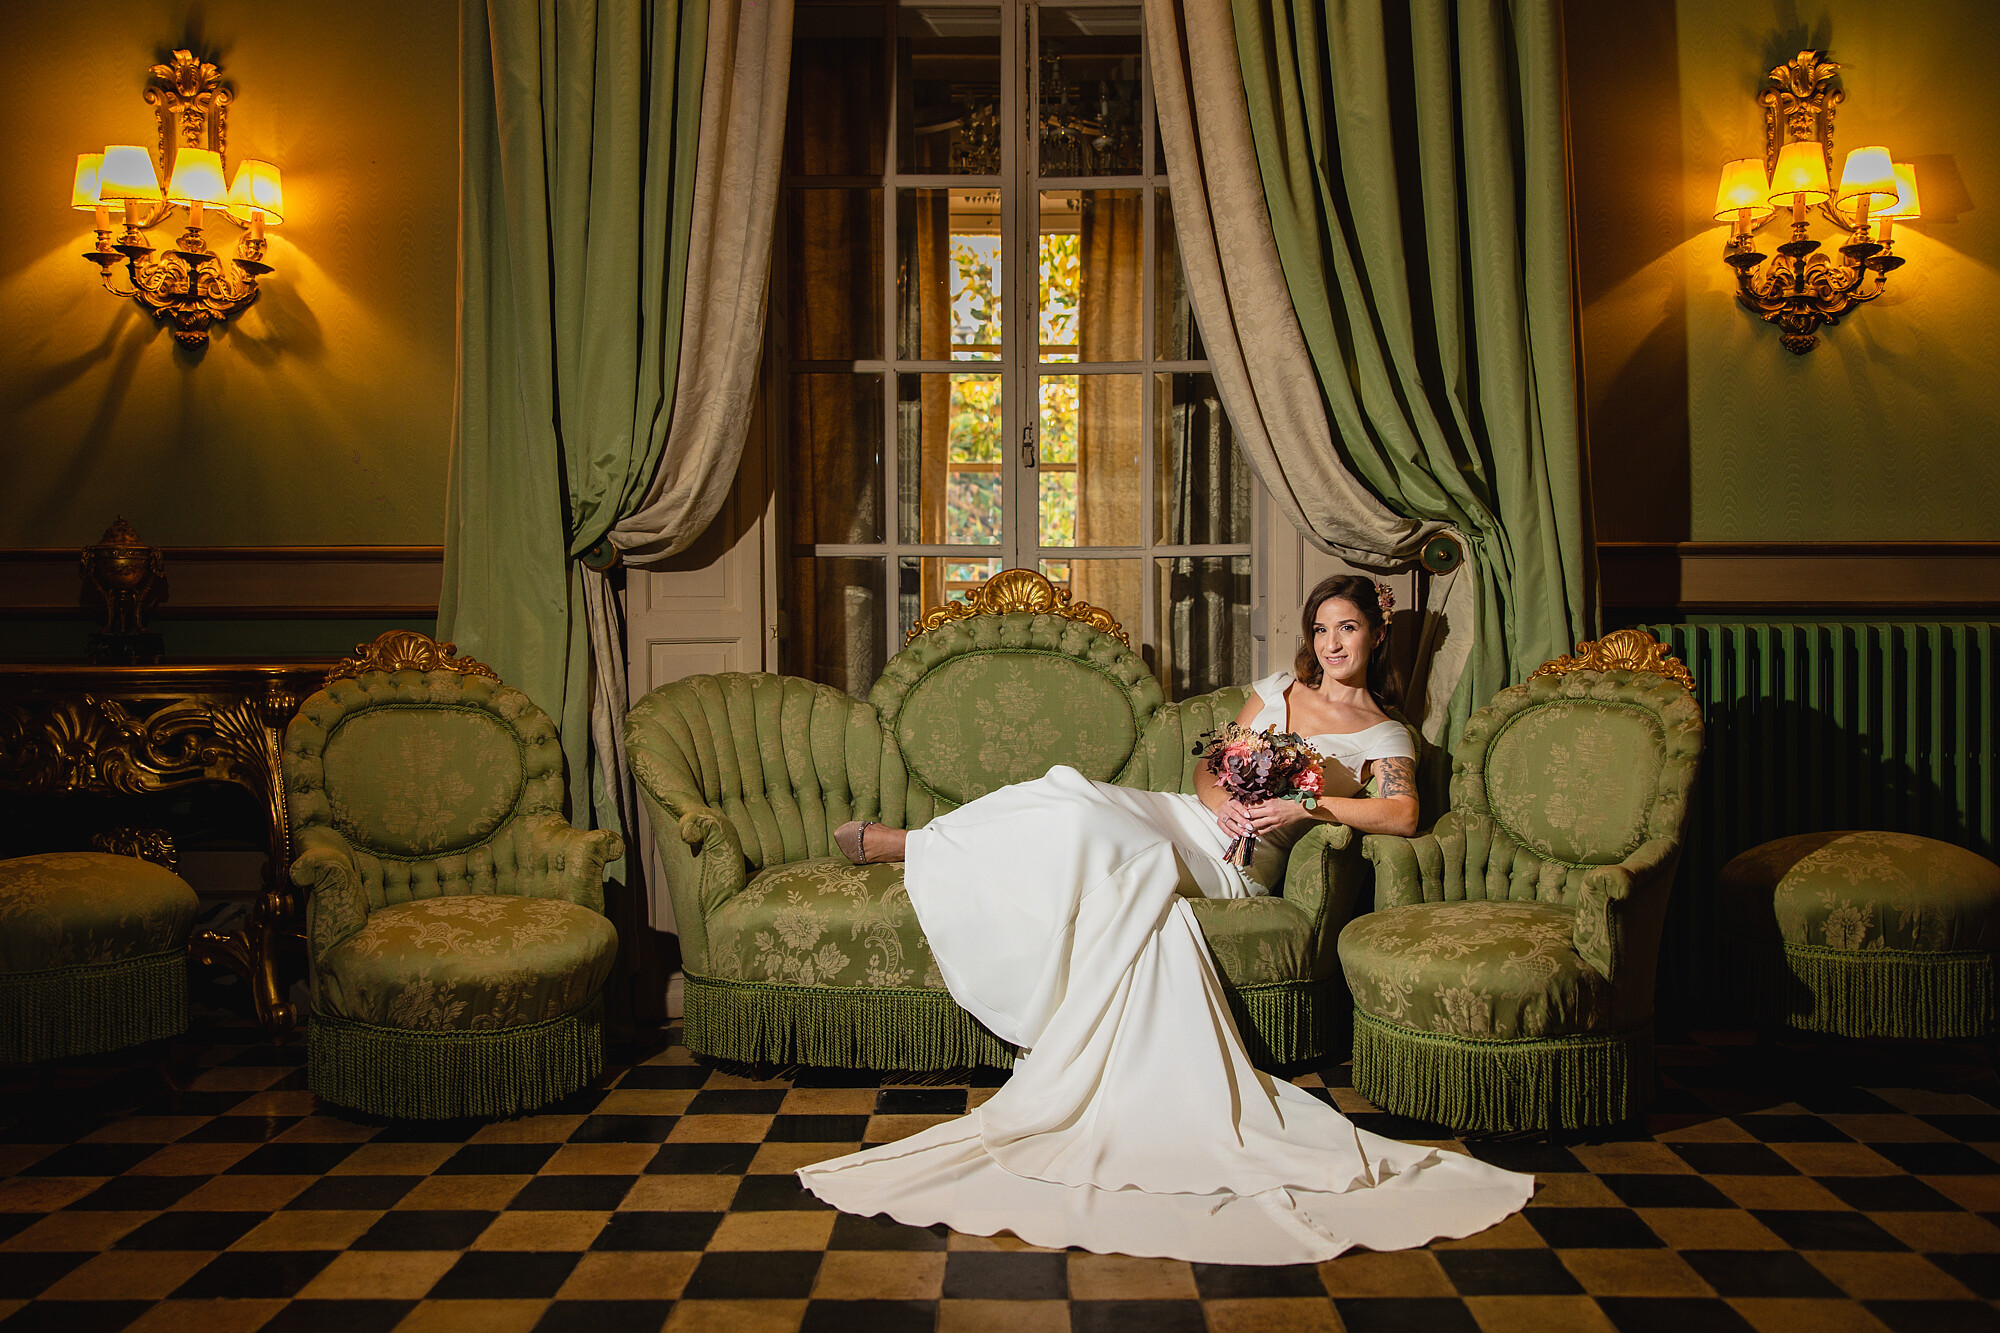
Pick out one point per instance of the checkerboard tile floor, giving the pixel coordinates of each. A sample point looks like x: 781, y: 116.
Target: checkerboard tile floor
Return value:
x: 1830, y: 1187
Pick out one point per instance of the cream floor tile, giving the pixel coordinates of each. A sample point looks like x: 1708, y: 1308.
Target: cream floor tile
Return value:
x: 473, y: 1317
x: 389, y: 1275
x: 629, y: 1275
x: 735, y: 1317
x: 1117, y: 1277
x: 1538, y: 1314
x: 885, y: 1275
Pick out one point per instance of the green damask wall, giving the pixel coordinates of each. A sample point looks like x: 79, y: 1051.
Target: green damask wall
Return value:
x: 324, y: 416
x: 1702, y: 427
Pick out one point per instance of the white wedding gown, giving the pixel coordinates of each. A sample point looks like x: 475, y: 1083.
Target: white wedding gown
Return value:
x: 1136, y: 1123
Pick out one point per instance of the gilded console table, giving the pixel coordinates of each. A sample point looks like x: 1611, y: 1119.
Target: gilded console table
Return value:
x: 138, y: 730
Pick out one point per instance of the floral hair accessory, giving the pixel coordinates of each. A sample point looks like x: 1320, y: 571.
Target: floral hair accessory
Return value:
x: 1385, y: 599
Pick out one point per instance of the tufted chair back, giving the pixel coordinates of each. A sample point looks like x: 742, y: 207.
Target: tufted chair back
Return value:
x: 435, y: 779
x: 1565, y: 773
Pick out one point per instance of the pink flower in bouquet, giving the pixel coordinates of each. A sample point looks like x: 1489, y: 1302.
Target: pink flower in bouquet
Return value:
x: 1258, y: 766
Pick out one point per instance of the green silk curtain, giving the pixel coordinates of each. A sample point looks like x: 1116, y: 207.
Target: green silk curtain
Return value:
x: 1413, y: 161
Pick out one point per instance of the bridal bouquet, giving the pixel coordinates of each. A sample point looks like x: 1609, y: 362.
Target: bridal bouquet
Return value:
x: 1255, y: 766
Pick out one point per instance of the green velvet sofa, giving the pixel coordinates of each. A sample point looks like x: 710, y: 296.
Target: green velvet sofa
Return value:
x: 792, y: 955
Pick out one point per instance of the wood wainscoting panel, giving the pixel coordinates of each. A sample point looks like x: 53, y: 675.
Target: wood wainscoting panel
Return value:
x: 1918, y: 578
x: 241, y: 582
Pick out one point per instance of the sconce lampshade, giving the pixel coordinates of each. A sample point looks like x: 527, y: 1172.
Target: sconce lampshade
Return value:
x: 1908, y: 206
x: 1743, y: 186
x: 83, y: 194
x: 1868, y: 173
x: 258, y: 190
x: 127, y: 173
x: 198, y: 178
x: 1801, y: 174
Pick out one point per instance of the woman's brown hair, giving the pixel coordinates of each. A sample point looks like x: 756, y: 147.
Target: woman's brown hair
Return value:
x: 1363, y: 594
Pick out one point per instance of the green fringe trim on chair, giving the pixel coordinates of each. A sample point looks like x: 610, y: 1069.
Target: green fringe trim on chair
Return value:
x: 1566, y: 1082
x: 407, y: 1075
x: 855, y: 1027
x: 1881, y: 992
x: 1290, y: 1022
x: 97, y: 1007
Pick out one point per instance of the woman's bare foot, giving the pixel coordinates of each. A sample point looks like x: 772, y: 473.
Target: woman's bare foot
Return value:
x: 865, y: 842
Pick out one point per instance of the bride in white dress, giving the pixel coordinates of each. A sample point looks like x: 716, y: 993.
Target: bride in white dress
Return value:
x: 1135, y: 1123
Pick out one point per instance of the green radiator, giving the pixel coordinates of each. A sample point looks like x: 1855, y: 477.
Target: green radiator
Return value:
x: 1837, y: 726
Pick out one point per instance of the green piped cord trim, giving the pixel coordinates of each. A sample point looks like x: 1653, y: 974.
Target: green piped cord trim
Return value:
x: 1503, y: 1085
x: 406, y: 1075
x: 860, y: 1027
x: 1880, y: 992
x: 857, y: 1027
x: 96, y: 1007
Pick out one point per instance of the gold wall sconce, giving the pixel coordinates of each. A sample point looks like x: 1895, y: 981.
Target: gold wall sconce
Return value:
x: 1802, y: 289
x: 188, y: 286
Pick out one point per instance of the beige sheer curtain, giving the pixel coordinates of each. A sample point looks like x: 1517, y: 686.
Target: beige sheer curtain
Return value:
x: 1110, y: 422
x: 1257, y: 352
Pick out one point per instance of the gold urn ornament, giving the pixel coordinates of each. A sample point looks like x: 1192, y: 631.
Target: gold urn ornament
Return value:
x: 130, y: 577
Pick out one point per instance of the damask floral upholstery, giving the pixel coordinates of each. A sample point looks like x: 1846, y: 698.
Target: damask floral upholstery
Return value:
x: 455, y: 923
x: 93, y: 954
x: 790, y: 954
x: 1867, y: 934
x: 1505, y: 978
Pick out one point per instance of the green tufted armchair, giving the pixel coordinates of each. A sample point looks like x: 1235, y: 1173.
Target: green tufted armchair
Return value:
x: 1504, y: 980
x: 455, y: 924
x: 792, y: 954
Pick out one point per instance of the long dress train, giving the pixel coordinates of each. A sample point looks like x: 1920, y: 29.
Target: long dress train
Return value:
x: 1135, y: 1124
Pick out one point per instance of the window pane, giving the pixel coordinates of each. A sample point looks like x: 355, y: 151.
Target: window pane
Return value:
x: 1201, y: 617
x: 1088, y: 77
x: 838, y: 629
x: 1089, y: 460
x: 1201, y: 481
x: 938, y: 580
x: 948, y: 275
x: 1110, y: 584
x: 835, y: 274
x: 949, y: 87
x: 948, y: 459
x: 834, y: 457
x: 1092, y: 276
x: 838, y: 109
x: 1175, y: 335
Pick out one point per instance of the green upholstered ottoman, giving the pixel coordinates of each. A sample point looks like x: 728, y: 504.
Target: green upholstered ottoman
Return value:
x: 1867, y: 934
x: 93, y: 954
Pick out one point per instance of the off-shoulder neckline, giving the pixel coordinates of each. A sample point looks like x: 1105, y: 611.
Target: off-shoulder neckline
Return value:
x: 1285, y: 715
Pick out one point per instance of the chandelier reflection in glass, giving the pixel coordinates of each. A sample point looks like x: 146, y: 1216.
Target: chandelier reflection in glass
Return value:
x: 1090, y: 129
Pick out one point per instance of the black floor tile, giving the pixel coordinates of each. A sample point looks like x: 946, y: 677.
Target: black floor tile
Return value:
x: 831, y: 1078
x: 1399, y: 1126
x: 24, y: 1273
x: 241, y: 1129
x: 93, y: 1159
x: 602, y: 1317
x: 428, y: 1131
x: 1405, y: 1314
x: 122, y: 1194
x: 498, y: 1275
x: 1592, y: 1229
x: 498, y: 1159
x: 1678, y: 1314
x: 12, y: 1224
x: 269, y: 1056
x: 190, y: 1231
x: 1979, y: 1272
x: 751, y: 1274
x: 772, y: 1193
x: 1888, y: 1194
x: 1666, y: 1191
x: 883, y: 1232
x: 1813, y: 1230
x: 1508, y: 1273
x: 738, y: 1101
x: 584, y: 1193
x: 623, y: 1129
x: 1759, y: 1273
x: 74, y: 1316
x: 1241, y: 1281
x: 1935, y: 1316
x: 1938, y: 1159
x: 920, y: 1101
x: 635, y: 1230
x: 339, y: 1317
x: 702, y: 1159
x: 1733, y: 1159
x: 293, y: 1159
x: 1541, y: 1159
x: 664, y: 1077
x: 870, y: 1317
x: 981, y: 1275
x: 1830, y: 1099
x: 1790, y: 1129
x: 1966, y: 1128
x: 255, y: 1273
x: 354, y: 1192
x: 1136, y: 1317
x: 423, y: 1229
x: 818, y: 1129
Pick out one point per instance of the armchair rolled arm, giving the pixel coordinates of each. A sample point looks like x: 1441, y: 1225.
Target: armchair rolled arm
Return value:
x: 336, y: 903
x: 702, y: 855
x: 1324, y: 879
x: 572, y: 860
x: 1607, y: 892
x: 1412, y: 870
